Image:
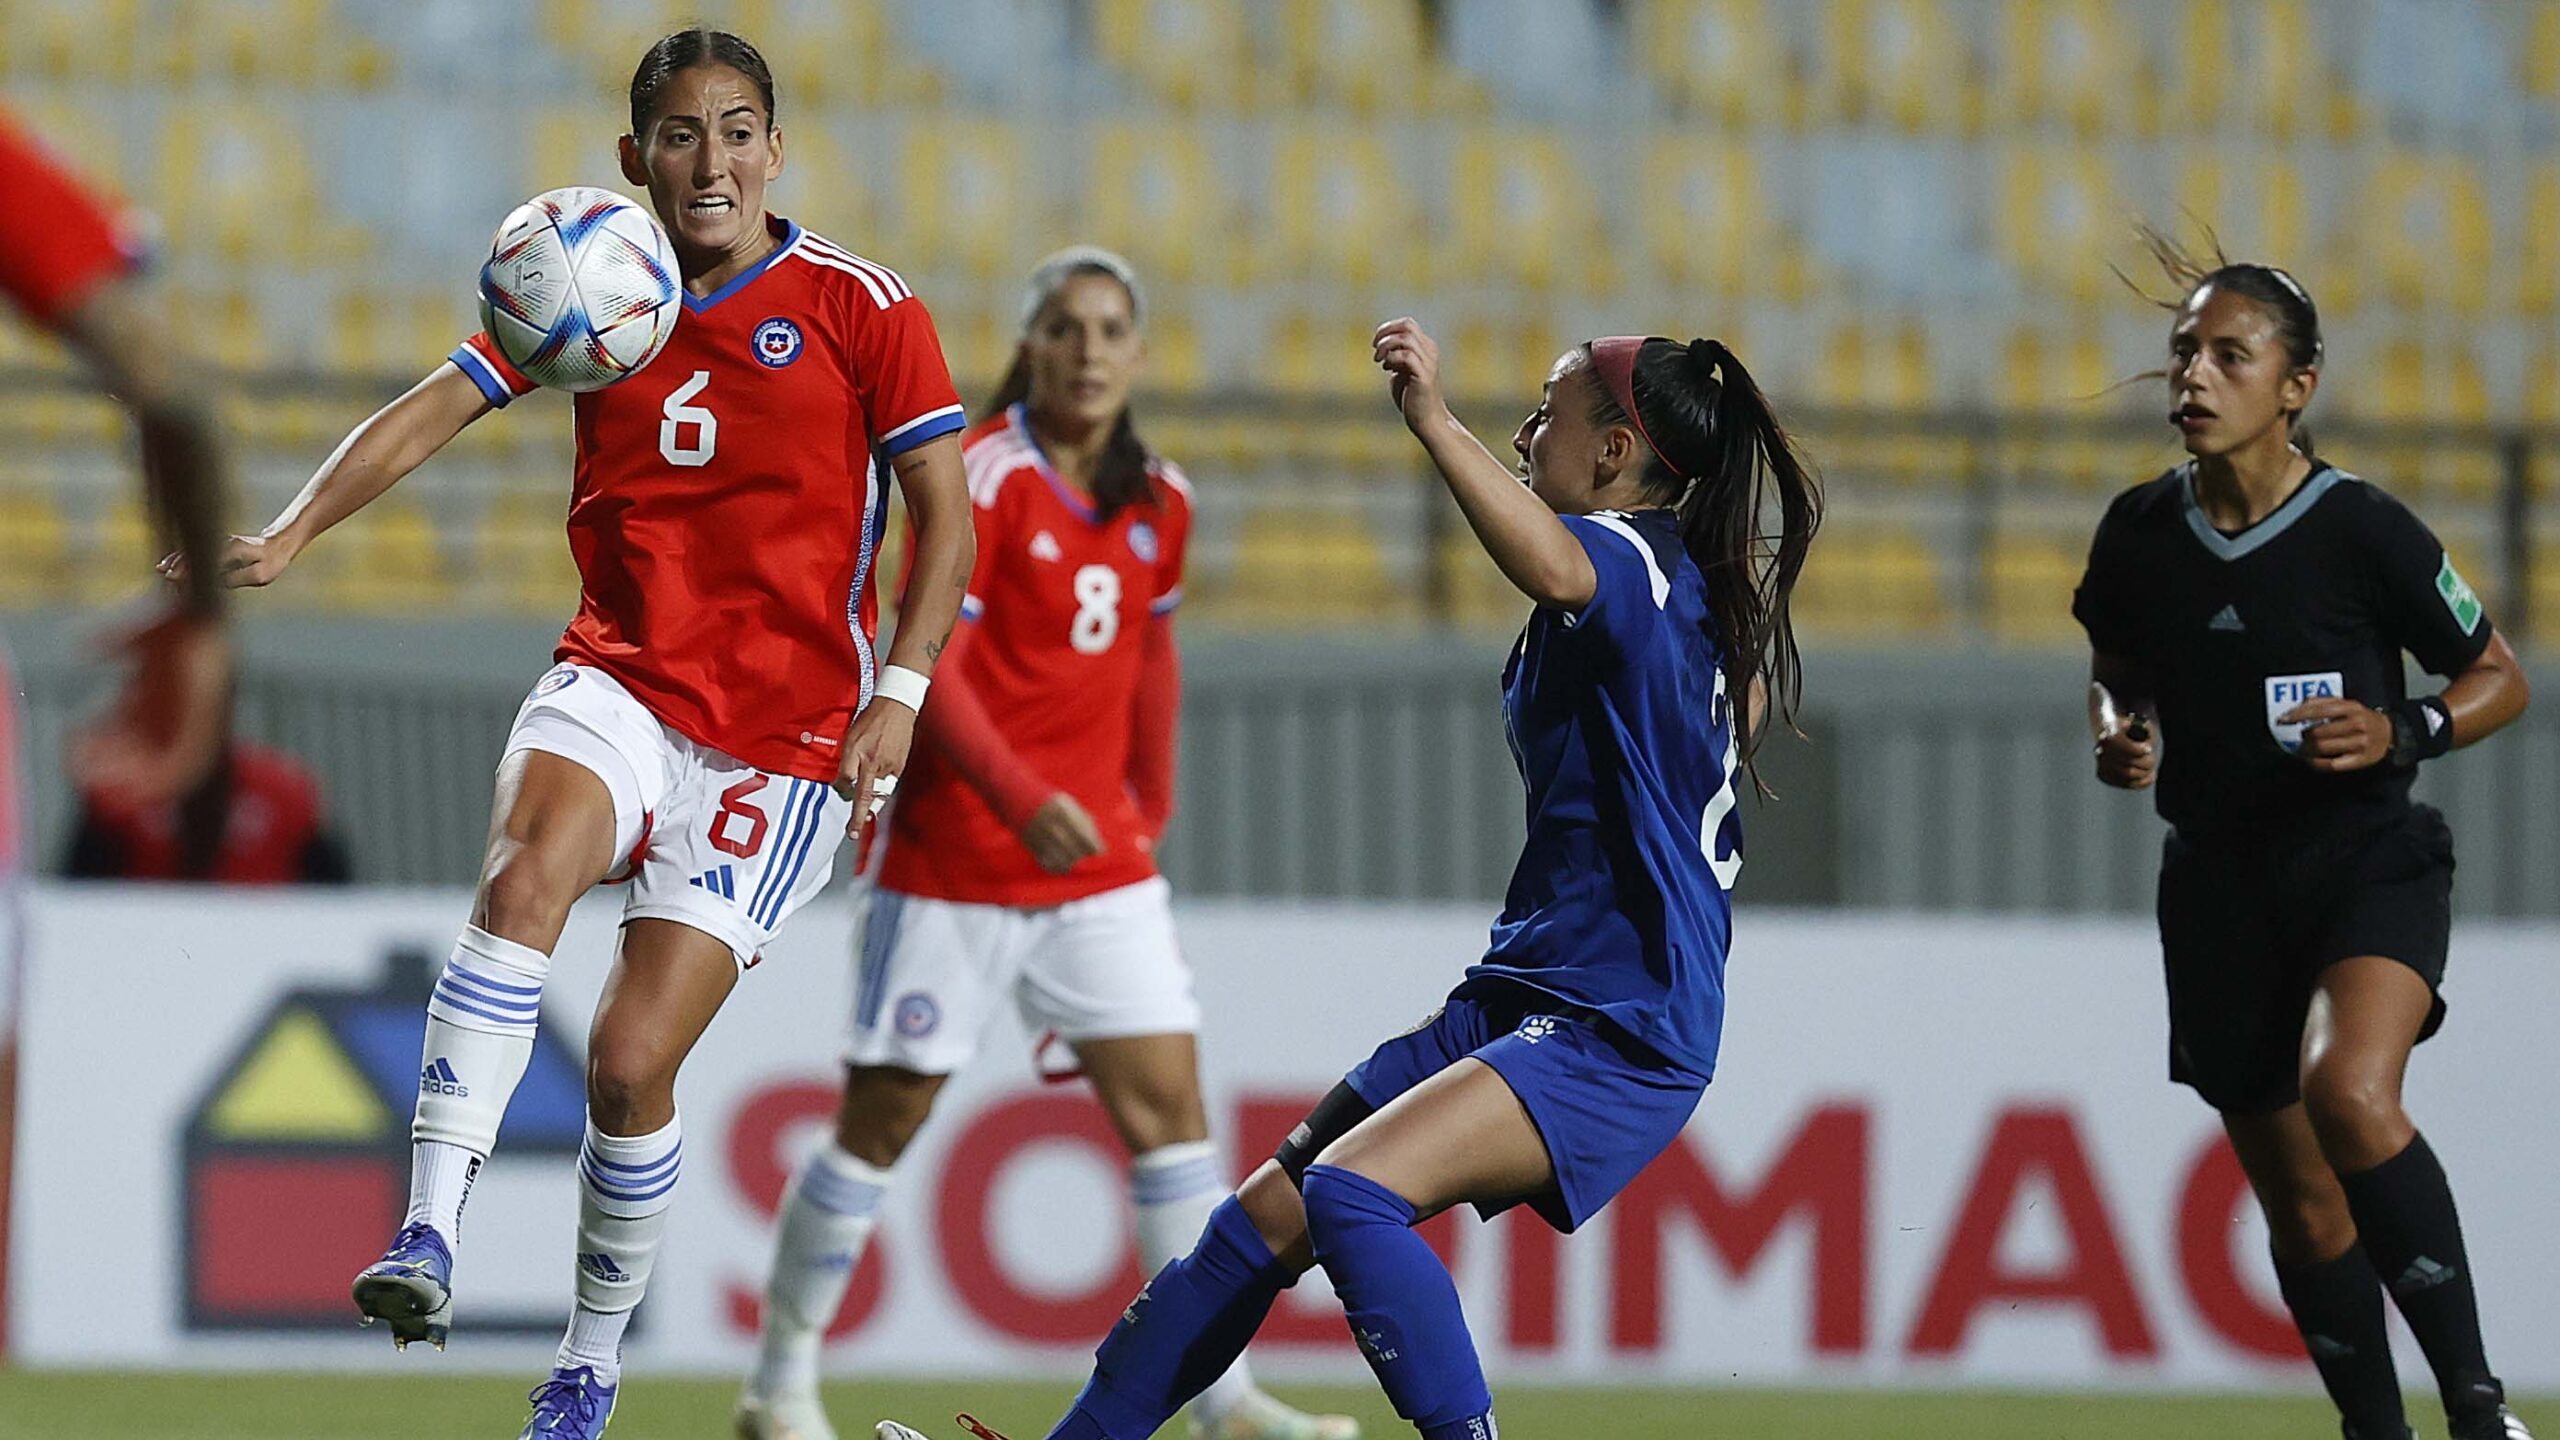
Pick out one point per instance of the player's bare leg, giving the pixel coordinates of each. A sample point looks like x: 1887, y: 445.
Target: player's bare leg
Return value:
x: 1150, y: 1087
x: 826, y: 1220
x: 668, y: 980
x: 2365, y: 1016
x: 551, y: 837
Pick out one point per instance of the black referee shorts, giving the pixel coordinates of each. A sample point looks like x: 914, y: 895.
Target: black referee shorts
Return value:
x: 2246, y: 929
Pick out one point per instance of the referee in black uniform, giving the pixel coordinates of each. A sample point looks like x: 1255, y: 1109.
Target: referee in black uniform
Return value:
x: 2248, y: 611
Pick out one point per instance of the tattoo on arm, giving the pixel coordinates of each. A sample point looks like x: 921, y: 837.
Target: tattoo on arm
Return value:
x: 933, y: 648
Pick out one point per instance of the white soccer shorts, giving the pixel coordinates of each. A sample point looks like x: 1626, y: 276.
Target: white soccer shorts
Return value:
x: 931, y: 974
x: 706, y: 839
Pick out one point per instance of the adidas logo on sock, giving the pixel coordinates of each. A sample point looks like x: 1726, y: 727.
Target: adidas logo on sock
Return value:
x: 720, y: 880
x: 2422, y: 1274
x: 602, y: 1266
x: 438, y: 1079
x: 1375, y: 1346
x: 2227, y: 618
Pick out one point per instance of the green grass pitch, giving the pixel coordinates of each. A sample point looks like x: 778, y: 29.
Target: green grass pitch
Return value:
x: 331, y: 1407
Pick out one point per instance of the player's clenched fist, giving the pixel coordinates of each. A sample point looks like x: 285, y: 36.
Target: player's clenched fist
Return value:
x: 875, y: 755
x: 1412, y: 362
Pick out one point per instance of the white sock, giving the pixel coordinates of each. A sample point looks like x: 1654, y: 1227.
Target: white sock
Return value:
x: 826, y: 1220
x: 625, y: 1184
x: 480, y: 1024
x: 595, y: 1341
x: 1174, y: 1187
x: 440, y: 1176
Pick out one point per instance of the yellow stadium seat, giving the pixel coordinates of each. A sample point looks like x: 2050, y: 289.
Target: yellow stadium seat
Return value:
x: 1472, y: 588
x: 1155, y: 196
x: 2202, y: 77
x: 1336, y: 210
x: 1704, y: 219
x: 1900, y: 63
x: 520, y: 560
x: 1499, y: 358
x: 1720, y: 59
x: 2539, y: 55
x: 2535, y: 254
x: 2060, y: 214
x: 576, y: 145
x: 826, y: 185
x: 384, y: 561
x: 36, y: 560
x: 1872, y: 583
x: 1361, y: 55
x: 75, y: 41
x: 1190, y: 52
x: 966, y: 199
x: 1319, y: 353
x: 2054, y: 371
x: 123, y: 547
x: 2427, y: 223
x: 1174, y: 362
x: 2294, y: 93
x: 1522, y: 210
x: 1875, y: 368
x: 1308, y: 566
x: 234, y: 183
x: 2068, y: 62
x: 2545, y: 600
x: 269, y: 42
x: 2027, y: 585
x: 816, y: 40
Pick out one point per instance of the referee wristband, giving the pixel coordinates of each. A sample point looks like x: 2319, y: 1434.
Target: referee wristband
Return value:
x: 903, y: 685
x: 2421, y: 729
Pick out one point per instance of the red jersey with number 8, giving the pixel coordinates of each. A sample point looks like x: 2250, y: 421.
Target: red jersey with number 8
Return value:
x: 729, y: 499
x: 1059, y: 604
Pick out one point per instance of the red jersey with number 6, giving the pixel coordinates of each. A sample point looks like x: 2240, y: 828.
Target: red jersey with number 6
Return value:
x: 1059, y: 606
x: 729, y: 499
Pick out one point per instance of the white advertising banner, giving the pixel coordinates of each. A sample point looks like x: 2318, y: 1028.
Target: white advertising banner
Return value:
x: 1939, y: 1151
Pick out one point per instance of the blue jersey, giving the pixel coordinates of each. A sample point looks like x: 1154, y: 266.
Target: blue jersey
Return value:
x: 1621, y: 726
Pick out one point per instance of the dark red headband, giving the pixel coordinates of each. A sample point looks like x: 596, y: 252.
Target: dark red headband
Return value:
x: 1613, y: 359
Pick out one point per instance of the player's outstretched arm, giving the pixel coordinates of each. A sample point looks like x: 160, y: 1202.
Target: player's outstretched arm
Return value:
x: 121, y: 333
x: 936, y: 489
x: 169, y: 722
x: 397, y: 439
x: 1528, y: 543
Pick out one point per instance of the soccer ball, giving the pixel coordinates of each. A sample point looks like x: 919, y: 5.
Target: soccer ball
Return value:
x: 581, y: 288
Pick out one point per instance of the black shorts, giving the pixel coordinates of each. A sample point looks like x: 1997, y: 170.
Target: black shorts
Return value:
x: 2246, y: 929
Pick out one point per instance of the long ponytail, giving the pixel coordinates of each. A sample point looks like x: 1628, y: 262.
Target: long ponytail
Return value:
x: 1707, y: 420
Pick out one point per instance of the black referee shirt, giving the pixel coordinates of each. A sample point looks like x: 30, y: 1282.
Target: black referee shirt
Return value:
x: 2319, y: 598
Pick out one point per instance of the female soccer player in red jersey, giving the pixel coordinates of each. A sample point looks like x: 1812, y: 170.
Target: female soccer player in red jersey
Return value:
x: 1019, y: 863
x: 2256, y: 602
x: 713, y: 723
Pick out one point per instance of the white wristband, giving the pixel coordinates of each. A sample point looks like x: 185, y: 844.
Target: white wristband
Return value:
x: 903, y: 685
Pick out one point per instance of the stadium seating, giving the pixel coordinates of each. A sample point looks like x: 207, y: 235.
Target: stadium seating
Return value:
x: 1286, y: 175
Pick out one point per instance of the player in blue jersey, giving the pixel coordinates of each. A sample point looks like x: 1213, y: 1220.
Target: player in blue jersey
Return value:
x: 1576, y: 1049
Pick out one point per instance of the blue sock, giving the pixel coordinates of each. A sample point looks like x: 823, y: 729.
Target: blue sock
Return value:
x: 1183, y: 1331
x: 1402, y: 1305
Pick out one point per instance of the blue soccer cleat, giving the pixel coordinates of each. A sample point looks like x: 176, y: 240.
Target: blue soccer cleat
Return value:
x: 572, y: 1405
x: 411, y: 1286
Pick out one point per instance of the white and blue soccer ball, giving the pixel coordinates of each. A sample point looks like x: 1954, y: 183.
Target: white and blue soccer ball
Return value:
x: 581, y: 288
